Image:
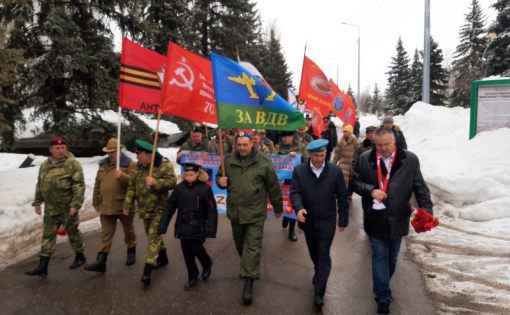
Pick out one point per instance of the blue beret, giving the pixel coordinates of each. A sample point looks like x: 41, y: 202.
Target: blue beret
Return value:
x: 142, y: 145
x: 244, y: 134
x: 317, y: 145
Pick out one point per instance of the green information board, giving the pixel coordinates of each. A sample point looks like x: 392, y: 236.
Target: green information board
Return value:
x: 490, y: 105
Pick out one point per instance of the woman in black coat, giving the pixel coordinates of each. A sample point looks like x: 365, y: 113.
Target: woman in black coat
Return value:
x: 197, y: 218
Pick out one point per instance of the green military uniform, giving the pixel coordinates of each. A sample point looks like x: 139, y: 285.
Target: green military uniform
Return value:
x: 60, y: 186
x: 189, y: 145
x: 151, y: 201
x: 295, y: 146
x: 250, y: 181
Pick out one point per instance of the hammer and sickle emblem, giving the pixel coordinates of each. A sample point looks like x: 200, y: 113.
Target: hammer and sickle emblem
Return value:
x: 184, y: 81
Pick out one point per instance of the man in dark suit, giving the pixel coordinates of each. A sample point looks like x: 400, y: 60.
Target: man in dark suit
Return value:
x: 386, y: 178
x: 317, y: 191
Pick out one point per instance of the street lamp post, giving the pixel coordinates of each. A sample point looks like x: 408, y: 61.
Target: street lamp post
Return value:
x: 359, y: 66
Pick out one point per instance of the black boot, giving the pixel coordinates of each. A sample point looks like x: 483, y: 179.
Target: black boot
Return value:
x: 146, y: 277
x: 285, y: 222
x: 79, y: 260
x: 247, y: 291
x: 206, y: 273
x: 190, y: 284
x: 42, y: 269
x: 131, y: 256
x: 162, y: 259
x: 100, y: 264
x: 292, y: 233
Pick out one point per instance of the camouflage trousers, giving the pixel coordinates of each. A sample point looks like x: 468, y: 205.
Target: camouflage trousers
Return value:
x: 155, y: 241
x: 49, y: 238
x: 108, y: 226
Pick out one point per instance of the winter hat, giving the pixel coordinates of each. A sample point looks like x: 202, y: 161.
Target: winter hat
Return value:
x: 387, y: 119
x: 348, y: 128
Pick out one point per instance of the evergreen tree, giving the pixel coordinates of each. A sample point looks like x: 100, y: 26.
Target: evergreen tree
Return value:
x: 226, y: 27
x: 468, y: 63
x: 376, y: 102
x: 438, y: 75
x: 397, y: 93
x: 415, y: 81
x: 497, y: 54
x: 73, y: 68
x: 351, y: 94
x: 274, y: 67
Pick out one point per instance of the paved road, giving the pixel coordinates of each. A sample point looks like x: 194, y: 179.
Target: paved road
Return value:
x: 285, y: 287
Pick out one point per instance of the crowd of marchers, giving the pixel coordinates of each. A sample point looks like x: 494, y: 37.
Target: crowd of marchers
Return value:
x: 380, y: 169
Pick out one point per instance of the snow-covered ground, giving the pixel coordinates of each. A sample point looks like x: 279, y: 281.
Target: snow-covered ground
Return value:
x: 466, y: 260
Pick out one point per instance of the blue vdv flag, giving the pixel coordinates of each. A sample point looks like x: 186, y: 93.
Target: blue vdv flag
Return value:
x: 243, y: 100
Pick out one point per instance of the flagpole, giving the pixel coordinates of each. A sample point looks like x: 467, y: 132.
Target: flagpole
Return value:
x: 119, y: 113
x: 222, y: 165
x: 151, y: 169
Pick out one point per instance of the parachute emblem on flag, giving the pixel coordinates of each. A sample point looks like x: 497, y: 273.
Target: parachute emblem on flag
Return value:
x: 181, y: 79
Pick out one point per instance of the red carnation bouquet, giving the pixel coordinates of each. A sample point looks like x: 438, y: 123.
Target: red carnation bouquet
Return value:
x: 423, y: 221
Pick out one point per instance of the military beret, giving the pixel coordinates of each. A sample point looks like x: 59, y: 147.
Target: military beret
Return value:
x: 244, y: 134
x: 317, y: 145
x: 144, y: 146
x: 57, y: 141
x: 191, y: 167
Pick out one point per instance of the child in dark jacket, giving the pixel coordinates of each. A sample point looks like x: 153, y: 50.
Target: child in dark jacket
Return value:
x: 197, y: 218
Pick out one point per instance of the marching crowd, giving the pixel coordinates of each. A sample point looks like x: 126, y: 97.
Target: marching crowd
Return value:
x: 379, y: 169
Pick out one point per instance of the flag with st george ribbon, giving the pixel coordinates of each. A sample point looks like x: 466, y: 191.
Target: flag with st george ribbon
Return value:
x: 140, y: 77
x: 244, y: 101
x: 188, y: 86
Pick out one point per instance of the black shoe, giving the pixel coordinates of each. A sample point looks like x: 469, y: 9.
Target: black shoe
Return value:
x: 42, y: 269
x: 247, y: 291
x: 292, y: 236
x: 162, y: 259
x: 190, y: 284
x: 383, y: 308
x: 99, y: 265
x: 206, y: 273
x: 146, y: 277
x: 79, y: 260
x: 285, y: 223
x: 131, y: 256
x: 318, y: 302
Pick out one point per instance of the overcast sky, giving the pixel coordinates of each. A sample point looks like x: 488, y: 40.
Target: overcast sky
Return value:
x: 332, y: 45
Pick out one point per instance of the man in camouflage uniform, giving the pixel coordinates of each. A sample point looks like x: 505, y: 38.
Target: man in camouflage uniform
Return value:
x: 197, y: 142
x: 61, y: 187
x: 290, y: 146
x: 250, y: 179
x: 150, y: 194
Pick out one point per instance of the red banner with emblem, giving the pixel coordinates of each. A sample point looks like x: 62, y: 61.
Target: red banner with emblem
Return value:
x: 343, y: 106
x: 188, y: 89
x: 140, y: 77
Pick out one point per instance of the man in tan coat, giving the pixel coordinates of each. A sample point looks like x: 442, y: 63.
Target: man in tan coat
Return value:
x: 109, y: 191
x: 345, y: 153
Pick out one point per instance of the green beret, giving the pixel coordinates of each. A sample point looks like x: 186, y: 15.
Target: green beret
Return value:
x: 144, y: 146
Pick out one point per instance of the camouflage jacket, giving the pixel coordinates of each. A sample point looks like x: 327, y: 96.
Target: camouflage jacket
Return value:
x: 297, y: 147
x: 60, y: 185
x: 151, y: 200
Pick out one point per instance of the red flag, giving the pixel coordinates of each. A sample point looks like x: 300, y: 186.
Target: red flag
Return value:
x: 342, y: 104
x: 314, y: 87
x: 315, y: 90
x: 140, y: 78
x: 188, y: 90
